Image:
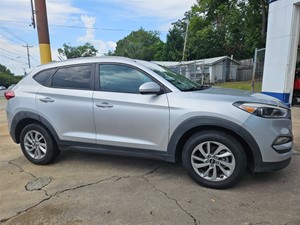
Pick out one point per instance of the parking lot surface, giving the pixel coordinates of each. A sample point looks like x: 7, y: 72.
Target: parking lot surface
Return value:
x: 99, y: 189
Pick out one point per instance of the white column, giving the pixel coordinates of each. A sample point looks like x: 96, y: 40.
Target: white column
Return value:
x: 281, y: 49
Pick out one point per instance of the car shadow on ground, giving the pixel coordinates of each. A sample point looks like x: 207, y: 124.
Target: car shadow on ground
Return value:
x: 168, y: 169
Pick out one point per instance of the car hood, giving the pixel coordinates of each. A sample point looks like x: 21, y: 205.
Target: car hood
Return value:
x: 227, y: 94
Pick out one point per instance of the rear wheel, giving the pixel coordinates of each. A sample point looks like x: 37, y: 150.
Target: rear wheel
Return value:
x: 214, y: 159
x: 38, y: 145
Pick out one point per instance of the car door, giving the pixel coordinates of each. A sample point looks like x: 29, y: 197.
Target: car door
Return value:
x: 123, y: 116
x: 66, y: 102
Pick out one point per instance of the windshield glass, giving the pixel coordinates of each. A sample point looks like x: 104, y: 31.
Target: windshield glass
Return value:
x: 179, y: 81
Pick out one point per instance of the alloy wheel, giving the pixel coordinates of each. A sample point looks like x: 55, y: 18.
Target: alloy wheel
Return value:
x: 213, y: 161
x: 35, y: 144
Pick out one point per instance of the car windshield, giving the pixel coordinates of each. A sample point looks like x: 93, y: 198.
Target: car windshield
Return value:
x: 179, y: 81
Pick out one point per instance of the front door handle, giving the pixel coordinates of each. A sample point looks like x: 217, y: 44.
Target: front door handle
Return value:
x: 104, y: 105
x: 46, y: 100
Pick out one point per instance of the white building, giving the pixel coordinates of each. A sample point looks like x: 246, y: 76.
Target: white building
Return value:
x: 218, y: 69
x: 282, y: 48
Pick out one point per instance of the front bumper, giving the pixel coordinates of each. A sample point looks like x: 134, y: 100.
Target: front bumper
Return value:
x: 271, y: 166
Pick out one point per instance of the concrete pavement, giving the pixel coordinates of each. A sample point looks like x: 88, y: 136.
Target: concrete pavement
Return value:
x: 97, y: 189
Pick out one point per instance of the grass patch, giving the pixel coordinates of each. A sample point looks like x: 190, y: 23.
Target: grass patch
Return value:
x: 243, y: 85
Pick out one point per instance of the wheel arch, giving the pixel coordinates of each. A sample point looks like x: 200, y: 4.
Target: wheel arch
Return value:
x: 23, y: 118
x: 197, y: 124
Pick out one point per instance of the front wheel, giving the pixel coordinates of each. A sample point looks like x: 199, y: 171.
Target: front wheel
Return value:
x: 214, y: 159
x: 38, y: 145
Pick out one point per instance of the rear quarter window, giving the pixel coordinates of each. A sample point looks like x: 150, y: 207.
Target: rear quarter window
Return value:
x: 43, y: 76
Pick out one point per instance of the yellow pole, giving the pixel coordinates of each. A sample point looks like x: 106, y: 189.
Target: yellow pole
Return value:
x: 43, y: 31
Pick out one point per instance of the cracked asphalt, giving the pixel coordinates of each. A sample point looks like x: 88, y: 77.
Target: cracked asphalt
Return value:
x: 99, y: 189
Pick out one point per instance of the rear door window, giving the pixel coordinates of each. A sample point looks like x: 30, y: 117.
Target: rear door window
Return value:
x: 74, y: 77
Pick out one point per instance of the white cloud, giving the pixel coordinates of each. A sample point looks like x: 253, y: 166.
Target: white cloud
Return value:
x: 165, y: 27
x: 100, y: 45
x: 59, y: 12
x: 62, y: 12
x: 164, y: 9
x: 18, y: 10
x: 90, y: 32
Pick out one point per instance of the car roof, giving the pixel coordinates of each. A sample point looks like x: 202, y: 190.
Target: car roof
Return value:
x: 96, y: 59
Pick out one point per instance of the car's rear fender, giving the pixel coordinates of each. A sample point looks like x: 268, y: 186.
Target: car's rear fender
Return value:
x: 24, y: 118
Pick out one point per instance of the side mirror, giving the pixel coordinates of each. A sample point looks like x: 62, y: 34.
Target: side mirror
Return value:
x: 149, y: 88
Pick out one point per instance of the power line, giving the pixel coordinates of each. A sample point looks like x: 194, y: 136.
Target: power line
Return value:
x: 12, y: 58
x: 11, y: 47
x: 9, y: 52
x: 17, y: 54
x: 76, y: 27
x: 88, y: 28
x: 9, y: 38
x: 35, y: 59
x: 32, y: 55
x: 9, y: 57
x: 12, y: 33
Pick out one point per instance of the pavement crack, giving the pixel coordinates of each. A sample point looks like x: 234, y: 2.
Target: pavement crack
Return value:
x: 169, y: 197
x: 37, y: 184
x: 151, y: 171
x: 49, y: 197
x: 25, y: 210
x: 84, y: 185
x: 11, y: 162
x: 138, y: 176
x: 160, y: 191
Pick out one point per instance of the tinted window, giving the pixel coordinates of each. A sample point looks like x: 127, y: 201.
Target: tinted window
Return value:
x: 75, y: 77
x: 44, y: 76
x: 119, y: 78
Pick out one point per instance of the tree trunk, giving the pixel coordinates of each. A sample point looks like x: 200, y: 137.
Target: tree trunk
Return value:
x: 264, y: 15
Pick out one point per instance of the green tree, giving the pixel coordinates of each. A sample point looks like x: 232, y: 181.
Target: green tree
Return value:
x: 219, y: 27
x: 173, y: 49
x: 7, y: 77
x: 70, y: 52
x: 5, y: 70
x: 141, y: 44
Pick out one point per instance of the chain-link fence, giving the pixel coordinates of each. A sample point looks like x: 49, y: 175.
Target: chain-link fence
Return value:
x: 248, y: 73
x: 208, y: 71
x: 258, y: 67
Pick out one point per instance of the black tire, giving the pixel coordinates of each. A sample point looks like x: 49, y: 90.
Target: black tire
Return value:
x: 294, y: 101
x: 38, y: 145
x: 212, y: 175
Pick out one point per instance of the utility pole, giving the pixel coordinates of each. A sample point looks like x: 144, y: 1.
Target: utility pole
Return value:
x: 185, y: 40
x: 43, y: 31
x: 28, y: 55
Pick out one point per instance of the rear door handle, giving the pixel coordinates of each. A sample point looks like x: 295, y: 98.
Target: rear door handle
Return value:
x: 46, y: 100
x: 104, y: 105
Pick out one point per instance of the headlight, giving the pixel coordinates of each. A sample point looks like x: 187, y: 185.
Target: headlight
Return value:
x: 263, y: 110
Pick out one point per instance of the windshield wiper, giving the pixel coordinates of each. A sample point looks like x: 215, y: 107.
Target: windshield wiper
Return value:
x: 198, y: 88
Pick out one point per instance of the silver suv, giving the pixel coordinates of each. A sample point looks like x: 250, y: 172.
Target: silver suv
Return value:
x: 121, y: 106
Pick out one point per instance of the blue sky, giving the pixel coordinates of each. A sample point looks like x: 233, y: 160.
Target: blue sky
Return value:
x: 100, y: 22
